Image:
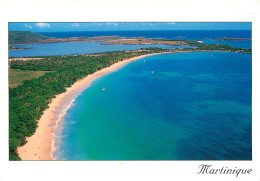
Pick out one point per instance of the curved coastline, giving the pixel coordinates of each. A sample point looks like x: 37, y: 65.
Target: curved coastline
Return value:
x: 40, y: 146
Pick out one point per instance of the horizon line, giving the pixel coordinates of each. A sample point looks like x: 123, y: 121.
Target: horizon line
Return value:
x: 130, y: 30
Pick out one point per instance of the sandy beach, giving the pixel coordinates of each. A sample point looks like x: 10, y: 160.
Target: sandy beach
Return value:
x: 40, y: 146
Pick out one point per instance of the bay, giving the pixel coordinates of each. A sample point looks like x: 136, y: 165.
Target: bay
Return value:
x: 194, y: 106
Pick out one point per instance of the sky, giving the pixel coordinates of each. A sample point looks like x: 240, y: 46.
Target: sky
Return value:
x: 124, y: 26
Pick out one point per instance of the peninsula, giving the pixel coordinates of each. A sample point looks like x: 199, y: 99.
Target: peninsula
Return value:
x: 14, y: 48
x: 26, y: 37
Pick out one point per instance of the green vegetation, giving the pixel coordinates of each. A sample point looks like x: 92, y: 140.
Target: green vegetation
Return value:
x: 15, y: 48
x: 17, y: 77
x: 214, y: 47
x: 24, y: 37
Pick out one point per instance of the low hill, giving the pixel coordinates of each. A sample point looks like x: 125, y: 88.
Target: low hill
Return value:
x: 25, y: 37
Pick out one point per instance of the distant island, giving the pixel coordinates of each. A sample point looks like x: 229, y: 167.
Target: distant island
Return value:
x: 180, y: 37
x: 231, y: 39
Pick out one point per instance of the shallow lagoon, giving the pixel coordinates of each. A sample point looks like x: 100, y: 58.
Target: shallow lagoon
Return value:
x: 73, y: 48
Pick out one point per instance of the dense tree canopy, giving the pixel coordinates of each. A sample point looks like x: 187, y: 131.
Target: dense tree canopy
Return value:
x: 25, y: 36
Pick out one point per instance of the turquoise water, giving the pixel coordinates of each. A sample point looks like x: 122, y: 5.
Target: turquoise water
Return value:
x: 195, y: 106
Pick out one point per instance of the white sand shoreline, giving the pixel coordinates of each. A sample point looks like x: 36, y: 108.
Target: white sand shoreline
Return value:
x: 60, y: 118
x: 40, y: 146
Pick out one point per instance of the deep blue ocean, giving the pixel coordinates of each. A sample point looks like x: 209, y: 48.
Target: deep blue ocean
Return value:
x: 194, y: 106
x: 70, y: 48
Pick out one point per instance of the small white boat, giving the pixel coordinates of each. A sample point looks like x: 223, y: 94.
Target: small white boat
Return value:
x: 103, y: 89
x: 144, y: 60
x: 152, y: 72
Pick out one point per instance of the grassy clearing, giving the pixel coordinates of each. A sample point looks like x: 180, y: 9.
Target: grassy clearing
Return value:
x: 16, y: 76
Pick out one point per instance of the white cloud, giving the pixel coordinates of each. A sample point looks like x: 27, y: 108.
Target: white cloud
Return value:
x: 115, y: 24
x: 28, y: 26
x: 75, y: 25
x: 42, y: 25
